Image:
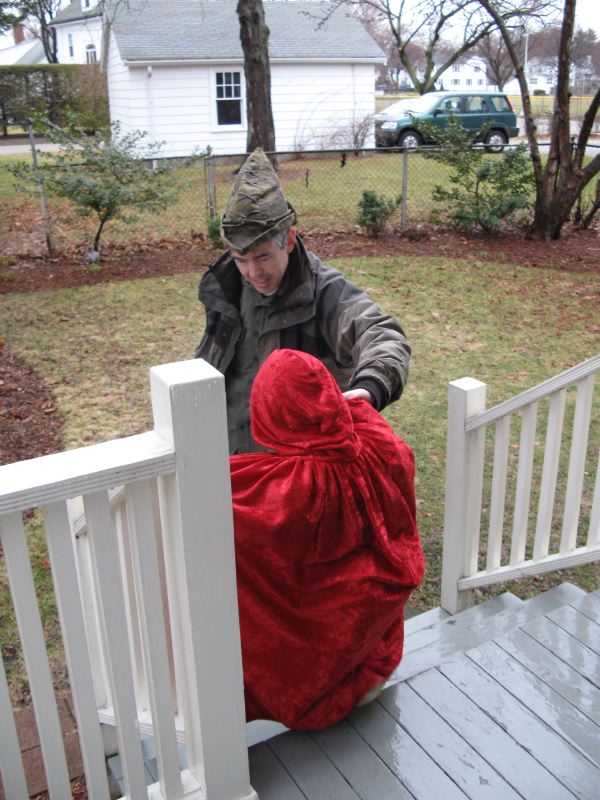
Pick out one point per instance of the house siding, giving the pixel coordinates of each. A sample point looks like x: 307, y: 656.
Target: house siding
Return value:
x: 83, y: 33
x: 314, y: 103
x: 176, y: 106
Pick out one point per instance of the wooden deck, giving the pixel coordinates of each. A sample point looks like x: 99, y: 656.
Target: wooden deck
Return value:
x: 501, y: 701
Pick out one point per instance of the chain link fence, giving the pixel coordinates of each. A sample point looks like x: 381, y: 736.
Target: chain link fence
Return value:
x: 324, y: 187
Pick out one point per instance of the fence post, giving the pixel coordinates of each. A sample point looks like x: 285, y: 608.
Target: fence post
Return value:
x: 404, y: 186
x: 464, y: 480
x: 209, y: 181
x: 188, y: 401
x: 40, y: 183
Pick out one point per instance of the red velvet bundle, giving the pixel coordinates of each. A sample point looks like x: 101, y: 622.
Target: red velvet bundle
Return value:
x: 327, y: 548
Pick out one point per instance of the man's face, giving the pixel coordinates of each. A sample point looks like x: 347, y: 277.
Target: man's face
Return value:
x: 265, y: 265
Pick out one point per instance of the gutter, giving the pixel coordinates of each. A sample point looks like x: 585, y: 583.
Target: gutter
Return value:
x: 221, y: 61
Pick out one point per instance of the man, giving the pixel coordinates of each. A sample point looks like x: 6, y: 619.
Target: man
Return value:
x: 266, y: 292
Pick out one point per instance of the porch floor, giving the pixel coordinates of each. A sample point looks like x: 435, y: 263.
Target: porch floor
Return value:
x: 501, y: 701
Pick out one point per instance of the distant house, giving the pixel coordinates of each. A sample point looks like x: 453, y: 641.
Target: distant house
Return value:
x: 468, y: 73
x: 176, y: 70
x: 541, y: 77
x: 79, y: 32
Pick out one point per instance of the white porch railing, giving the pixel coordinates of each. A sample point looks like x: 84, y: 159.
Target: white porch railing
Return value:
x: 535, y: 545
x: 159, y: 644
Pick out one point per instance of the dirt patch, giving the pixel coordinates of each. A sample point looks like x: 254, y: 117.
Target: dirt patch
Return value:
x: 577, y: 251
x: 30, y: 424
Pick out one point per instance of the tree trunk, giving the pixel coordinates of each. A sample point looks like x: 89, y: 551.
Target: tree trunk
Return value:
x: 254, y: 36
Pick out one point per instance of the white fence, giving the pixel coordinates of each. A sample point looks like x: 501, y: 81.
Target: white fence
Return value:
x: 531, y: 548
x: 158, y: 645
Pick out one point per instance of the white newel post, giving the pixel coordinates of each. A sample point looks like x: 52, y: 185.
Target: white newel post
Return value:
x: 464, y: 480
x: 188, y: 401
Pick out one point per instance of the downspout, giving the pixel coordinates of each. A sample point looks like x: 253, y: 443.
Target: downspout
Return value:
x: 106, y: 30
x: 151, y: 119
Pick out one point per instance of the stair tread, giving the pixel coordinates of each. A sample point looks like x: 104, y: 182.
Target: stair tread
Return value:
x: 446, y: 640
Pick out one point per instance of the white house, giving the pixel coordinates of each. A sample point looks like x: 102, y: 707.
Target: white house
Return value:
x: 79, y: 32
x: 541, y: 76
x: 468, y: 73
x: 176, y: 70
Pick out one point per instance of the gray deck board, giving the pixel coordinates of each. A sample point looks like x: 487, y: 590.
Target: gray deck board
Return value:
x: 435, y: 645
x: 515, y: 716
x: 558, y: 674
x: 398, y: 750
x: 450, y: 751
x: 360, y: 765
x: 578, y: 625
x: 566, y: 647
x: 268, y: 776
x: 557, y: 756
x: 540, y: 698
x: 491, y: 740
x: 590, y: 606
x: 310, y: 768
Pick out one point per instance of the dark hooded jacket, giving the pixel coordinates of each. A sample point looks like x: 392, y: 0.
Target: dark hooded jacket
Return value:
x: 327, y: 549
x: 319, y: 312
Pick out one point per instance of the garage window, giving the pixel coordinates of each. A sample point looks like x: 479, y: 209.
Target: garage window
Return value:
x: 229, y: 98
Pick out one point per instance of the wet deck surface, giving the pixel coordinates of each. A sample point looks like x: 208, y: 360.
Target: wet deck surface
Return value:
x: 503, y: 703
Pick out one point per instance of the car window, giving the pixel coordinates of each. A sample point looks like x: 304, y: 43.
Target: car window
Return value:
x: 452, y: 104
x: 500, y: 103
x: 476, y: 105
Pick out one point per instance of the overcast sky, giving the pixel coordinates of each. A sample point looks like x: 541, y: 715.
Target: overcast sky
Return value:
x: 587, y: 15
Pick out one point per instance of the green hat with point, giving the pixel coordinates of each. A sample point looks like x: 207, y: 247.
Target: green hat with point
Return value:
x: 256, y: 209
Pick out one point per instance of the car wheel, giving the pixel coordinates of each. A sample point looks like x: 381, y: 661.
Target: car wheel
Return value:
x: 409, y: 140
x: 495, y: 141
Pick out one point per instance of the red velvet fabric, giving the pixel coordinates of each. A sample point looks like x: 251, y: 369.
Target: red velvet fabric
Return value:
x: 327, y: 547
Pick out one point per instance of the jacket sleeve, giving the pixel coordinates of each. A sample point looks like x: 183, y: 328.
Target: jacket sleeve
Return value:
x: 362, y: 337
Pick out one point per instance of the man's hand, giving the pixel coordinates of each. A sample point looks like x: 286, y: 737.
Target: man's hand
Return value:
x: 363, y: 394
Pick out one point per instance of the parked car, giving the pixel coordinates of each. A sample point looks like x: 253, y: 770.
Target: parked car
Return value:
x: 397, y: 125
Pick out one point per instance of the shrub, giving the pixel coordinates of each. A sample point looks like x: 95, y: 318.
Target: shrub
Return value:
x: 105, y: 175
x: 485, y: 190
x: 375, y: 210
x: 214, y: 230
x: 53, y: 91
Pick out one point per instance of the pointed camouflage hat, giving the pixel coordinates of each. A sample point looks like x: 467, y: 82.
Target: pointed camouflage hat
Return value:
x: 256, y: 209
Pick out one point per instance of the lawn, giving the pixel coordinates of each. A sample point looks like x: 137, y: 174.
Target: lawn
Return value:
x: 510, y: 327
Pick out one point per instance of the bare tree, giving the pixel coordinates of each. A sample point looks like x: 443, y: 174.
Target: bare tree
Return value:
x: 444, y: 30
x: 499, y: 65
x: 560, y: 177
x: 254, y: 36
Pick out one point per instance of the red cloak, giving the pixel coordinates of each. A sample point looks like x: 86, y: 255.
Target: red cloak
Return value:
x: 327, y: 548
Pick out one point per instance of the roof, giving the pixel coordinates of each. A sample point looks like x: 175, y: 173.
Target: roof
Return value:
x: 31, y: 51
x: 151, y: 31
x: 74, y: 12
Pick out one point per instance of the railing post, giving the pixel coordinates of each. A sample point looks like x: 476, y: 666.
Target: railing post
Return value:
x: 464, y: 480
x: 188, y: 400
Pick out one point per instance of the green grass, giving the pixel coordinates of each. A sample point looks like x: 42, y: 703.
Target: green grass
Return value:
x: 324, y: 193
x: 509, y: 327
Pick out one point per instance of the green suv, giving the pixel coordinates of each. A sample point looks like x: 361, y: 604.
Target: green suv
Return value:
x: 397, y: 125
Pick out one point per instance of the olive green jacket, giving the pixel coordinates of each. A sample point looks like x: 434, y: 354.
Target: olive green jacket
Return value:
x: 321, y: 313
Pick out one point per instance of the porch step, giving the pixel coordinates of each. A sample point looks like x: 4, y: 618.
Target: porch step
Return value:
x: 513, y: 714
x: 500, y: 701
x: 456, y: 634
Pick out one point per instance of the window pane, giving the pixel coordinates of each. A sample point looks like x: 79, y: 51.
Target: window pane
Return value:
x: 229, y: 112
